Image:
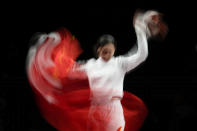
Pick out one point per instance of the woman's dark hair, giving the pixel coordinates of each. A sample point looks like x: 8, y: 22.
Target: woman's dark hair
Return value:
x: 104, y: 40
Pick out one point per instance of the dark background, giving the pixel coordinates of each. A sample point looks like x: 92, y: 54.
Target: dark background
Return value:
x: 166, y: 81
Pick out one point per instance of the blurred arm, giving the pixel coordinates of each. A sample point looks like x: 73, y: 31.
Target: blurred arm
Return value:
x: 129, y: 62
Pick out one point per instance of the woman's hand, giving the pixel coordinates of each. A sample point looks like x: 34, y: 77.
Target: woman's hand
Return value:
x: 152, y: 23
x: 157, y: 27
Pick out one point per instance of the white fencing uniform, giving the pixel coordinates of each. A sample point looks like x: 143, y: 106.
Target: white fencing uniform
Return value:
x: 106, y: 80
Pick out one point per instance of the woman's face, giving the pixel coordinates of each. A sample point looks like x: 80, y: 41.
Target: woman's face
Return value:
x: 106, y: 52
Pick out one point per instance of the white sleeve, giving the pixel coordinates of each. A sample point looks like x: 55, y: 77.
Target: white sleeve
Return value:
x: 78, y: 70
x: 131, y: 61
x: 83, y: 65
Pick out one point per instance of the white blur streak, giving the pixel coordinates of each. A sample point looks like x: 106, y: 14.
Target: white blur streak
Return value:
x: 44, y: 58
x: 40, y: 56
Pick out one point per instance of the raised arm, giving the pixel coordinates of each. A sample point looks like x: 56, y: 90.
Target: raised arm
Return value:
x: 148, y: 24
x: 130, y: 61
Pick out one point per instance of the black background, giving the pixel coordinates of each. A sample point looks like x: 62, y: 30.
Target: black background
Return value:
x: 166, y: 81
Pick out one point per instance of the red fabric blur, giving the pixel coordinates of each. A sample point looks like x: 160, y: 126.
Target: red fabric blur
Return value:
x: 66, y: 107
